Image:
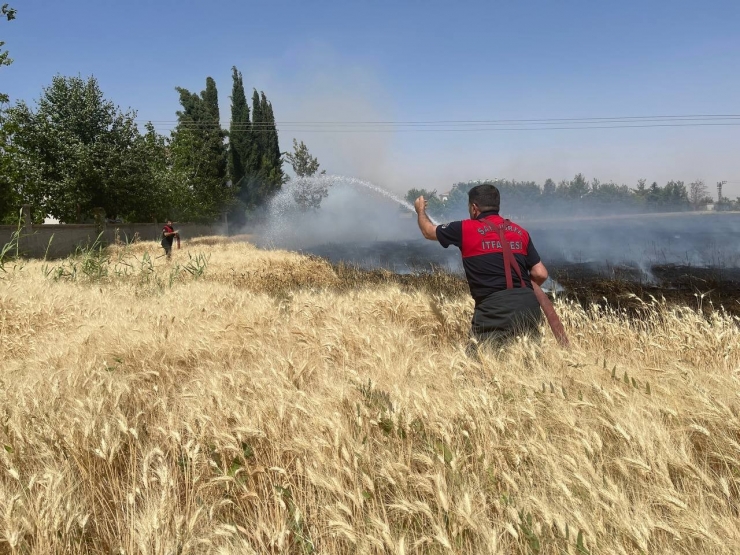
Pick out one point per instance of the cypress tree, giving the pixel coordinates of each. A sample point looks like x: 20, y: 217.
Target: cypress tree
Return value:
x: 273, y: 144
x: 240, y: 149
x: 258, y: 125
x: 271, y: 162
x: 240, y: 132
x: 263, y: 171
x: 210, y: 99
x: 199, y: 152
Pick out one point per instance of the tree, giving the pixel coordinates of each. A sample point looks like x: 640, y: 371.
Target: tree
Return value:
x: 8, y: 194
x: 610, y: 197
x: 258, y: 125
x: 76, y: 152
x: 210, y: 101
x: 307, y: 193
x: 240, y: 149
x: 273, y: 144
x: 9, y: 14
x: 548, y: 189
x: 435, y: 206
x: 698, y: 193
x: 579, y: 187
x: 240, y: 132
x: 675, y: 195
x: 304, y: 165
x: 272, y: 162
x: 199, y: 153
x: 264, y: 173
x: 9, y: 198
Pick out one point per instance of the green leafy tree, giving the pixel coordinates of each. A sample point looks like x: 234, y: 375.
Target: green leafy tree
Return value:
x: 10, y: 200
x: 76, y: 151
x: 435, y: 206
x: 307, y: 193
x: 611, y: 196
x: 675, y: 195
x: 8, y: 194
x: 304, y: 165
x: 9, y: 14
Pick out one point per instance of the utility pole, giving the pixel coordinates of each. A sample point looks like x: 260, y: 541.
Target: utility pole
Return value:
x: 719, y: 191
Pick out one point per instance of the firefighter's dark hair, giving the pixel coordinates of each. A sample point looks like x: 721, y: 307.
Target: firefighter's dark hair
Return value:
x: 486, y: 197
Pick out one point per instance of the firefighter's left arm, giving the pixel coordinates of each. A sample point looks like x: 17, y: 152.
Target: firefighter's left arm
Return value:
x: 538, y: 273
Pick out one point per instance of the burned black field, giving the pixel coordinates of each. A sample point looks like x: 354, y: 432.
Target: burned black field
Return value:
x: 693, y: 260
x: 700, y: 288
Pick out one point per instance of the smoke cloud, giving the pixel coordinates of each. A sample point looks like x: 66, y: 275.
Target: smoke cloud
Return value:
x: 318, y: 84
x: 358, y: 223
x: 352, y: 212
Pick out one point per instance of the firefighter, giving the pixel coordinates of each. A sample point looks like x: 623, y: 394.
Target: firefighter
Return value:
x: 500, y: 264
x: 168, y: 236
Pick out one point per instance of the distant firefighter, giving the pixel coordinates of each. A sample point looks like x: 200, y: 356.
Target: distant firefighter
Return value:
x: 168, y: 236
x: 503, y: 269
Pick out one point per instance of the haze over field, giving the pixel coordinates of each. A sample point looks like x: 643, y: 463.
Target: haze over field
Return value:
x: 355, y: 223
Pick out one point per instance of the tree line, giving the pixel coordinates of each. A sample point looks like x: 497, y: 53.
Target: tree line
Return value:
x: 75, y: 151
x: 576, y: 196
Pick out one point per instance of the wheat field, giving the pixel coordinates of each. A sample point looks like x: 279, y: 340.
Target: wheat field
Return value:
x: 240, y: 401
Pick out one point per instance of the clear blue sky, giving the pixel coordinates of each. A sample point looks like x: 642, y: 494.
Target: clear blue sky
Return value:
x: 419, y: 60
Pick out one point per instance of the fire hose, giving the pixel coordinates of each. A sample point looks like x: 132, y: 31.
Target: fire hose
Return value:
x: 552, y: 317
x: 550, y: 314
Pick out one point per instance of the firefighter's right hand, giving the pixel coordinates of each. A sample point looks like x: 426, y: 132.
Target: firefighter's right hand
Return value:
x: 420, y: 205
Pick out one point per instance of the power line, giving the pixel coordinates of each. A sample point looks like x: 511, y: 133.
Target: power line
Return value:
x: 456, y: 126
x: 468, y: 129
x: 542, y: 121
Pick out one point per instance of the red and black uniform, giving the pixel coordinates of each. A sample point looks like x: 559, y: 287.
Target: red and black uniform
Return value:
x: 167, y: 239
x: 500, y: 308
